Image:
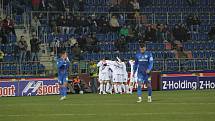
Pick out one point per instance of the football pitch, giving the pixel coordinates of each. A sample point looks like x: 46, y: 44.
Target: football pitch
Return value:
x: 166, y: 106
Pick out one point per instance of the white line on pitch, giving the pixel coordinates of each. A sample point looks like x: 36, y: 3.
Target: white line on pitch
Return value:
x: 114, y: 104
x: 124, y: 114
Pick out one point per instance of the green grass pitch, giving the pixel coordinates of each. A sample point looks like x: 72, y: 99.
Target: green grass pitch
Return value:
x: 166, y: 106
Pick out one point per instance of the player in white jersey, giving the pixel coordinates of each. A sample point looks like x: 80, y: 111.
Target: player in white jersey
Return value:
x: 133, y: 77
x: 104, y: 76
x: 118, y: 69
x: 124, y: 84
x: 109, y: 86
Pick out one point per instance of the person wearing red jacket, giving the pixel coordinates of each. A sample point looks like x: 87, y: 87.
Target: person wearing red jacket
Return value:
x: 36, y: 4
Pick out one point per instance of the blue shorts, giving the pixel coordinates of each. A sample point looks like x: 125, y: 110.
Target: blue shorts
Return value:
x: 62, y: 79
x: 144, y: 78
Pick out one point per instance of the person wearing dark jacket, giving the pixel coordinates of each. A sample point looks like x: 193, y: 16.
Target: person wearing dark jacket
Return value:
x: 35, y: 48
x: 22, y: 44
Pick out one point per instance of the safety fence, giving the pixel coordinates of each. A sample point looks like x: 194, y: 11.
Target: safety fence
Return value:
x: 48, y: 68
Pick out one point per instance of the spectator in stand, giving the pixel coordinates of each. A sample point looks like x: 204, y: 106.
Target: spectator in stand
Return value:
x: 60, y: 5
x: 130, y: 10
x: 81, y: 5
x: 92, y: 43
x: 84, y: 25
x: 131, y: 33
x: 22, y: 44
x: 121, y: 20
x: 124, y: 5
x: 70, y: 24
x: 180, y: 33
x: 35, y: 4
x: 76, y: 51
x: 3, y: 37
x: 93, y: 24
x: 211, y: 33
x: 123, y: 31
x: 193, y: 23
x: 44, y: 5
x: 8, y: 25
x: 167, y: 34
x: 1, y: 55
x: 82, y: 42
x: 184, y: 31
x: 103, y: 25
x: 159, y: 33
x: 61, y: 23
x: 150, y: 33
x: 35, y: 24
x: 136, y: 5
x: 114, y: 24
x: 72, y: 42
x: 75, y: 5
x: 180, y: 52
x: 114, y: 8
x: 121, y: 44
x: 35, y: 47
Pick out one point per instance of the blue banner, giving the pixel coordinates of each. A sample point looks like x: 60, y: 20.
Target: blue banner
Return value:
x: 9, y: 88
x: 206, y: 83
x: 179, y: 83
x: 33, y: 88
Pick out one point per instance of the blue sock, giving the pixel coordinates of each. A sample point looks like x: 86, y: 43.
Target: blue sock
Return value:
x: 64, y: 91
x: 61, y: 91
x: 139, y: 91
x: 150, y: 90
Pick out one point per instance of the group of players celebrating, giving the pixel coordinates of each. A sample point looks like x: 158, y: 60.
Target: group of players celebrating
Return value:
x: 113, y: 76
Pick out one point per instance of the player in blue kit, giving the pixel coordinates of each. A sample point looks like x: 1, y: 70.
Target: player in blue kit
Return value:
x: 63, y: 67
x: 143, y: 66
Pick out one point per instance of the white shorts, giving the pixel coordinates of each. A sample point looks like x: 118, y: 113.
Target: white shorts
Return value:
x: 118, y: 78
x: 104, y: 77
x: 125, y: 79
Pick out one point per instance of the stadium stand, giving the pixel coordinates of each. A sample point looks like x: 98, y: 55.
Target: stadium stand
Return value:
x: 164, y: 25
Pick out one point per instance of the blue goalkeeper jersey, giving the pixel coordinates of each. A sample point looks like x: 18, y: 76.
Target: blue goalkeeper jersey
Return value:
x: 63, y: 67
x: 143, y: 62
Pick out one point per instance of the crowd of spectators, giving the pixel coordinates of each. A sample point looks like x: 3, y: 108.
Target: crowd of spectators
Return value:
x: 126, y: 26
x: 88, y: 26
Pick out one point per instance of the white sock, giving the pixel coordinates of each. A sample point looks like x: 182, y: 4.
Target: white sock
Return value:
x: 123, y: 88
x: 119, y: 88
x: 110, y: 88
x: 104, y: 88
x: 107, y: 87
x: 115, y: 88
x: 126, y: 88
x: 131, y: 89
x: 101, y: 88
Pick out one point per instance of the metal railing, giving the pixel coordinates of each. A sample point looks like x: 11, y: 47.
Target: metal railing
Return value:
x: 152, y: 17
x: 82, y: 67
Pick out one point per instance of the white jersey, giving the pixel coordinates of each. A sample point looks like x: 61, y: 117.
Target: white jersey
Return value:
x: 125, y: 73
x: 103, y: 67
x: 104, y: 71
x: 119, y: 71
x: 116, y: 67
